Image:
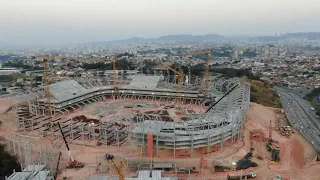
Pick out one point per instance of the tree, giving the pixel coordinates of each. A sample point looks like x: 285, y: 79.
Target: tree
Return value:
x: 253, y: 98
x: 231, y: 73
x: 120, y: 64
x: 38, y: 78
x: 125, y: 54
x: 8, y: 163
x: 19, y: 85
x: 250, y: 53
x: 149, y: 64
x: 313, y: 94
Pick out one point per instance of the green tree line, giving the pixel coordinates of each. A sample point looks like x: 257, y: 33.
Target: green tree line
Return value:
x: 231, y: 73
x: 21, y: 65
x: 120, y: 64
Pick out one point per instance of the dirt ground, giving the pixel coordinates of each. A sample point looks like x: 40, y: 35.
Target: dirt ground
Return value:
x: 296, y: 153
x: 6, y: 104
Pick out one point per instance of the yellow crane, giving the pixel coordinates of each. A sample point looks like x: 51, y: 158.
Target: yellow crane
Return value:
x: 130, y: 105
x: 207, y: 73
x: 115, y: 77
x: 48, y: 108
x: 120, y: 170
x: 180, y: 84
x: 113, y: 59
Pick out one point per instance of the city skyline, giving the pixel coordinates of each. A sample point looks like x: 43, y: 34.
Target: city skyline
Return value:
x: 77, y: 21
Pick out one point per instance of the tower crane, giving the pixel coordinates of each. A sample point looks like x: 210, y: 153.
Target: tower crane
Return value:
x: 115, y: 76
x: 119, y: 171
x: 113, y: 59
x: 207, y: 73
x: 180, y: 83
x: 48, y: 106
x: 48, y: 110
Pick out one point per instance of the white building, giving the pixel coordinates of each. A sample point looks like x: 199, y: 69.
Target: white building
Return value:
x: 9, y: 71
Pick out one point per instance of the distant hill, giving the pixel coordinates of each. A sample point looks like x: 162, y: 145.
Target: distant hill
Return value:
x: 307, y: 35
x: 211, y: 37
x: 190, y: 38
x: 133, y: 40
x: 168, y: 38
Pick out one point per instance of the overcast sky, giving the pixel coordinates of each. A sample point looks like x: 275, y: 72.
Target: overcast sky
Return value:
x: 73, y: 21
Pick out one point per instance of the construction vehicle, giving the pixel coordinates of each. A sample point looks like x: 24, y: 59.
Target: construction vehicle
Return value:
x: 285, y: 131
x: 246, y: 176
x: 259, y: 157
x: 73, y: 164
x: 119, y: 171
x: 269, y: 147
x: 275, y: 155
x: 130, y: 105
x: 187, y: 170
x: 278, y: 178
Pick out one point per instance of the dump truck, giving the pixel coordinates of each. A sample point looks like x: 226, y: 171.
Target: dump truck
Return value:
x: 246, y: 176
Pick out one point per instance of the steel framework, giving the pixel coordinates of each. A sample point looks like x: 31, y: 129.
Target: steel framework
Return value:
x: 223, y: 122
x: 36, y: 162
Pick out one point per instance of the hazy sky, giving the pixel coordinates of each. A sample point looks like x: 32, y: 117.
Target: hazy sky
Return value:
x: 73, y: 21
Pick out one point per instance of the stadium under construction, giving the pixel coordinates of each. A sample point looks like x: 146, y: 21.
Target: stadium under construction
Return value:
x: 141, y: 113
x: 222, y: 121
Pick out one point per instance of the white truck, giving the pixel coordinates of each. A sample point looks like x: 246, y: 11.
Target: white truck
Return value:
x: 246, y: 176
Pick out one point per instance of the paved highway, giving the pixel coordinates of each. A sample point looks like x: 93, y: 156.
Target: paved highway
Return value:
x: 301, y: 117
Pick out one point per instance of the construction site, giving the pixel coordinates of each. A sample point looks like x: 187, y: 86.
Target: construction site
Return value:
x: 152, y: 127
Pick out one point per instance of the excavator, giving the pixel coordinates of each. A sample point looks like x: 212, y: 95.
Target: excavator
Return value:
x: 110, y: 158
x: 73, y: 164
x: 130, y: 105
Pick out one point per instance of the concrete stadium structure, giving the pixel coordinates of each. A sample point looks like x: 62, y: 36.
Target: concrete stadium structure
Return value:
x: 223, y: 121
x: 71, y: 94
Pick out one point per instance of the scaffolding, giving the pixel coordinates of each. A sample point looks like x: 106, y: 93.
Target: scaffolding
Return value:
x: 36, y: 162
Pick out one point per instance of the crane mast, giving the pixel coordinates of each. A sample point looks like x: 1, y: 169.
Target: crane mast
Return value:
x: 119, y: 171
x: 46, y: 76
x: 115, y: 77
x: 207, y: 72
x: 207, y: 75
x: 180, y: 84
x: 48, y: 106
x: 180, y: 81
